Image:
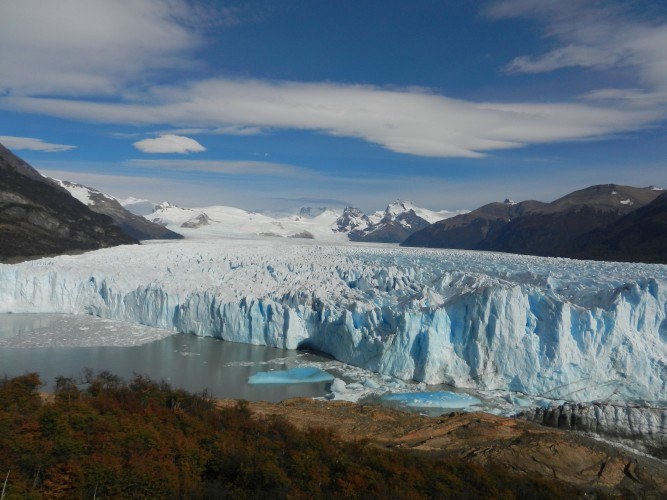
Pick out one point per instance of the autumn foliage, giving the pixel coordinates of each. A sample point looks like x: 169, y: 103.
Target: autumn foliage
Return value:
x: 142, y: 439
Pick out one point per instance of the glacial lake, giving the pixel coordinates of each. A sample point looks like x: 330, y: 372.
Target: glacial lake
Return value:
x: 60, y: 344
x: 56, y: 344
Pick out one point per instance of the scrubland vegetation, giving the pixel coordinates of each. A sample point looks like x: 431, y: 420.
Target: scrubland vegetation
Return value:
x: 106, y: 438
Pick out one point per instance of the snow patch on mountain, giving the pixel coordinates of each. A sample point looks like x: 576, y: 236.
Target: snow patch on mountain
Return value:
x: 84, y: 194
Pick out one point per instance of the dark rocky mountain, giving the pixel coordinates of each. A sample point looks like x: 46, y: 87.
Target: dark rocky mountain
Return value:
x: 640, y: 236
x: 398, y: 222
x: 468, y: 231
x: 131, y: 224
x: 39, y: 218
x: 581, y: 224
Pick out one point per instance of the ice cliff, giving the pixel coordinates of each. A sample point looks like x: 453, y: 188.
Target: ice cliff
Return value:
x: 558, y: 328
x: 641, y: 426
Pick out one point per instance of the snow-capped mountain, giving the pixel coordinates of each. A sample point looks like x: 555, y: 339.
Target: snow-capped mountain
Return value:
x: 236, y: 222
x: 351, y: 219
x: 398, y: 221
x: 131, y: 224
x: 398, y: 207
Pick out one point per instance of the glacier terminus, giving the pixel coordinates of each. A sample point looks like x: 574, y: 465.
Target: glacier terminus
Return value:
x: 554, y: 328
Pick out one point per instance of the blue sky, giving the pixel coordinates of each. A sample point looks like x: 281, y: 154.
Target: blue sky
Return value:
x: 266, y: 105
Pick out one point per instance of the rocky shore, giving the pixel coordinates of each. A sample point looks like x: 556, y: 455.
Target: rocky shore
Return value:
x: 519, y: 445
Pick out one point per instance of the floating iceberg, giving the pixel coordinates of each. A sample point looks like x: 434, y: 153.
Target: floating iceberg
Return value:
x: 304, y: 375
x: 556, y: 328
x: 437, y: 399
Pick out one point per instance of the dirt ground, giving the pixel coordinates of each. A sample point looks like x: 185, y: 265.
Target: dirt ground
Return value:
x: 520, y: 446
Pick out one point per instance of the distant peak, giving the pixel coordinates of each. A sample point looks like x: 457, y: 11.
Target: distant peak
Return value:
x: 352, y: 210
x: 398, y: 206
x: 311, y: 212
x: 509, y: 202
x: 402, y: 203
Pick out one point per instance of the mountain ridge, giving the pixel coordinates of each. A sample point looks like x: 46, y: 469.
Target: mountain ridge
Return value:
x: 392, y: 225
x: 39, y: 218
x: 570, y: 226
x: 133, y: 225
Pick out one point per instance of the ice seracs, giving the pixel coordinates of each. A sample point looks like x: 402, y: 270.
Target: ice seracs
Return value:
x: 561, y: 329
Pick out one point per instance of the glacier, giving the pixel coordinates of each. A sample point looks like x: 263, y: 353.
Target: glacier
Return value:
x: 555, y: 328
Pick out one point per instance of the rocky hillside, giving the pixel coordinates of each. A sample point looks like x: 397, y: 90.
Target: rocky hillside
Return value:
x: 131, y: 224
x: 39, y: 218
x: 598, y: 469
x: 639, y: 236
x: 592, y: 223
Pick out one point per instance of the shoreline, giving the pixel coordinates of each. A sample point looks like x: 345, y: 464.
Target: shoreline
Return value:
x: 483, y: 438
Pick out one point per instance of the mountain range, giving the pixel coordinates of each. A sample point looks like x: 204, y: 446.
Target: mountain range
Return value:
x: 607, y: 222
x: 43, y: 216
x: 392, y: 225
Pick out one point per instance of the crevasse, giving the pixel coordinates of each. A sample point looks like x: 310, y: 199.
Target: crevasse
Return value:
x: 556, y: 328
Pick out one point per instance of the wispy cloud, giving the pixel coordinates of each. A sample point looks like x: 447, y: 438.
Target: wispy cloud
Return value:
x: 90, y: 47
x: 227, y: 130
x: 114, y: 48
x: 30, y: 143
x: 169, y: 143
x: 405, y: 121
x: 599, y: 34
x: 225, y: 167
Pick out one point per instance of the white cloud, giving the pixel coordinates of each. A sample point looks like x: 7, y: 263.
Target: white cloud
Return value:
x: 227, y: 130
x: 405, y: 121
x: 633, y: 97
x: 30, y: 143
x: 169, y: 143
x: 54, y: 53
x: 600, y: 35
x: 91, y: 46
x: 237, y: 130
x: 563, y: 57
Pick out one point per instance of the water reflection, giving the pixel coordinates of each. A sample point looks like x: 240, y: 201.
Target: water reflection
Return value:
x: 185, y: 361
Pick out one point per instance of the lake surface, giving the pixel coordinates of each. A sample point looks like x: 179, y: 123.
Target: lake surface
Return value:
x: 47, y: 344
x: 65, y: 345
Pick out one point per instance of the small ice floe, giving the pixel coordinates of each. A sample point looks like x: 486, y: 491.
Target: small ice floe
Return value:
x: 304, y: 375
x: 439, y: 399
